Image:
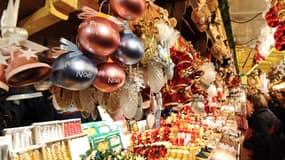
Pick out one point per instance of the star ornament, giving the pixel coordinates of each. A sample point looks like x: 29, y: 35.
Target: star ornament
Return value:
x: 29, y: 53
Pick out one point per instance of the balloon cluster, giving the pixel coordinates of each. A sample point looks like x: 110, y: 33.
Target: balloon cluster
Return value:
x: 104, y: 45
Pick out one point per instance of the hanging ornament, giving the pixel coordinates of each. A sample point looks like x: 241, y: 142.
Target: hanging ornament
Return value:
x: 212, y: 91
x: 128, y: 9
x: 167, y: 34
x: 165, y: 59
x: 150, y: 120
x: 110, y: 77
x: 61, y: 98
x: 131, y: 49
x: 113, y: 104
x: 73, y: 70
x: 87, y: 99
x: 98, y: 36
x: 24, y: 71
x: 155, y: 76
x: 158, y: 98
x: 139, y: 112
x: 209, y: 73
x: 197, y: 105
x: 102, y: 98
x: 129, y: 100
x: 76, y: 102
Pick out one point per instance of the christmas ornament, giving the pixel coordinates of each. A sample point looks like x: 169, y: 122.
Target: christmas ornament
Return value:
x: 129, y: 100
x: 155, y: 76
x: 131, y: 49
x: 61, y: 98
x: 139, y: 113
x: 212, y: 91
x: 110, y: 77
x: 197, y: 105
x: 150, y: 120
x: 98, y: 36
x: 73, y: 70
x: 128, y: 9
x: 88, y: 100
x: 209, y: 73
x: 24, y: 68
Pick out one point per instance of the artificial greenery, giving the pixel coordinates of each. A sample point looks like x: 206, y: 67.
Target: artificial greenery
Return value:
x: 109, y: 155
x: 224, y: 8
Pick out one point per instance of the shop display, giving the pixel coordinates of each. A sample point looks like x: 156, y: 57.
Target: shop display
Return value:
x: 21, y: 137
x: 160, y: 95
x: 46, y: 140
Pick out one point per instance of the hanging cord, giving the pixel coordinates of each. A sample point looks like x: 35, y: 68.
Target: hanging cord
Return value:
x: 247, y: 42
x: 247, y: 58
x: 249, y: 20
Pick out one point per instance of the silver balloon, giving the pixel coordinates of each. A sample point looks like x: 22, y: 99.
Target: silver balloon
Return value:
x: 73, y: 71
x: 131, y: 49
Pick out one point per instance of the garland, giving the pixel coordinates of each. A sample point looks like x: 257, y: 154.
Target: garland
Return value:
x: 224, y: 8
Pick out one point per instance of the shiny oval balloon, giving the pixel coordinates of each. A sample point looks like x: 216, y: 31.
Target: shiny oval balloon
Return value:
x: 131, y: 49
x: 73, y: 72
x: 110, y: 77
x: 98, y: 36
x: 128, y: 9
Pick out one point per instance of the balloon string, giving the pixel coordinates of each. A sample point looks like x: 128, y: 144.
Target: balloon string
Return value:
x: 58, y: 50
x: 88, y: 12
x: 68, y: 45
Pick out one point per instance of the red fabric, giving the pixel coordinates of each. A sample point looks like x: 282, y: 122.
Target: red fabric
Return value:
x: 271, y: 17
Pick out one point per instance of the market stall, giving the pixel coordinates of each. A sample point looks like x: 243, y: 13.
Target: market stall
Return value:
x: 148, y: 80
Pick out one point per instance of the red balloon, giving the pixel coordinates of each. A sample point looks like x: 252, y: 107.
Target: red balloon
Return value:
x: 110, y: 77
x: 128, y: 9
x: 98, y: 36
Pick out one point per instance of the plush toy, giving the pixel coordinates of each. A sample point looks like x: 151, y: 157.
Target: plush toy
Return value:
x: 201, y: 16
x: 219, y: 50
x: 212, y: 5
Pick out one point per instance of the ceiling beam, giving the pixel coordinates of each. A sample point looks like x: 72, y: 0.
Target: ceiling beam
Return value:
x: 53, y: 12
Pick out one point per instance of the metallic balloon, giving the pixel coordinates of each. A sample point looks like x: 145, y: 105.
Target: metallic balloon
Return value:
x: 73, y: 72
x: 128, y: 9
x: 110, y: 77
x: 98, y: 36
x: 131, y: 49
